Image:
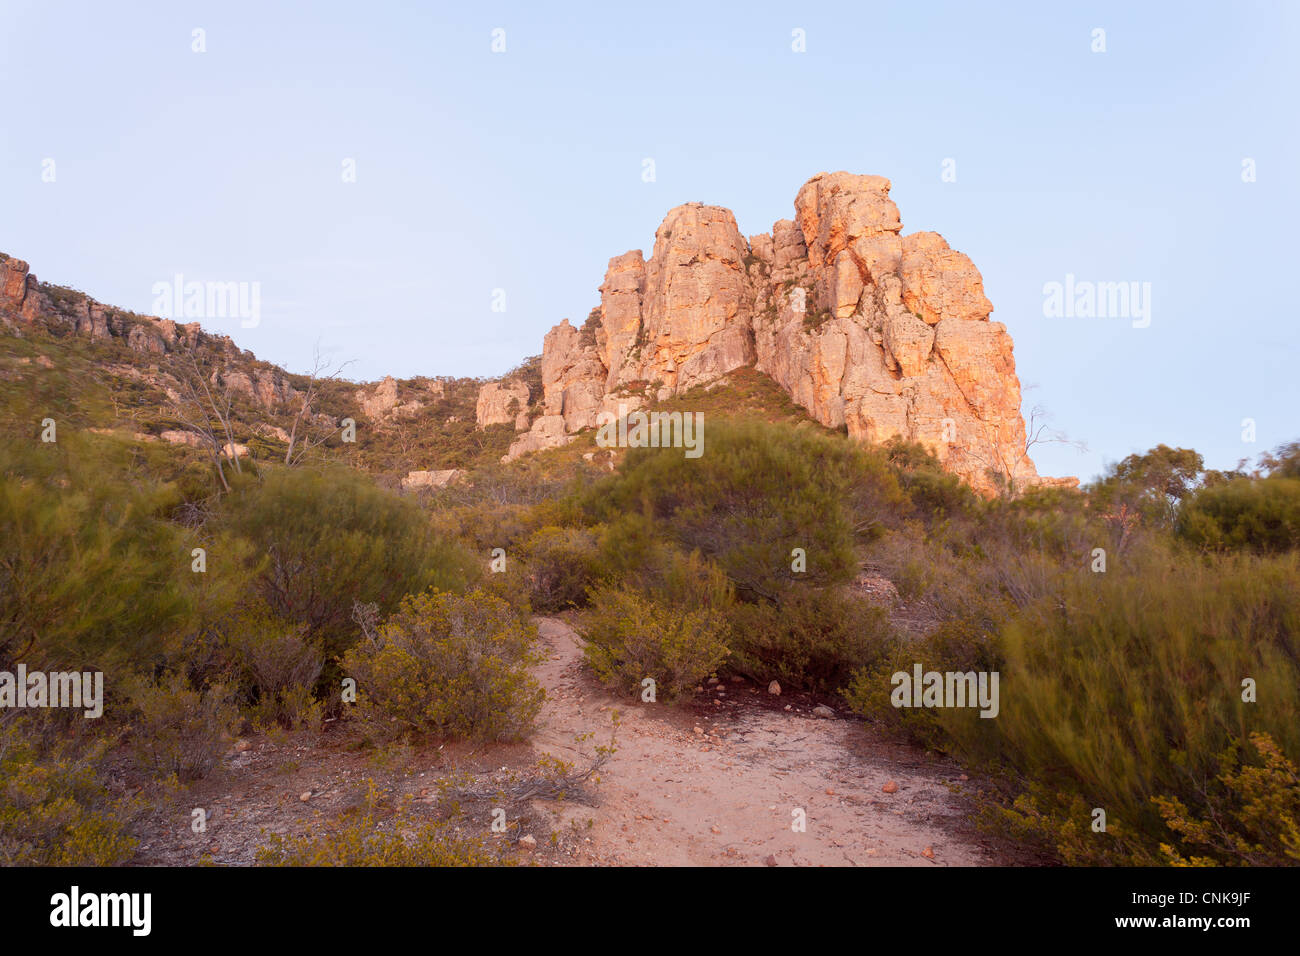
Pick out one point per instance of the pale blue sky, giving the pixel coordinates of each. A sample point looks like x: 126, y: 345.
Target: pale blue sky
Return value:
x: 522, y: 171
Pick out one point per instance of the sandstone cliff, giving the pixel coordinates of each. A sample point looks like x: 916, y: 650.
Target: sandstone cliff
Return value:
x: 880, y: 333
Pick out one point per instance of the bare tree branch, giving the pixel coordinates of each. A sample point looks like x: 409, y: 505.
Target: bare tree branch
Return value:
x: 202, y: 414
x: 303, y: 418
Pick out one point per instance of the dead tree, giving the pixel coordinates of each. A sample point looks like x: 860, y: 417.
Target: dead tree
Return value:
x: 304, y: 417
x: 206, y: 414
x: 1003, y: 460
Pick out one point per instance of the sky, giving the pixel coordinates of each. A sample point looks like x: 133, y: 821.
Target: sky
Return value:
x: 379, y: 171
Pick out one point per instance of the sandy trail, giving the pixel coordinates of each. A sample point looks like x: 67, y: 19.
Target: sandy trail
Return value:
x: 672, y: 795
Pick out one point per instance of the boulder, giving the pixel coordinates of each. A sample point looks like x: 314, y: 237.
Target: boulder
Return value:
x: 432, y: 479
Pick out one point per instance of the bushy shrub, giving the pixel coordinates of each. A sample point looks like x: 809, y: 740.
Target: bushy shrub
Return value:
x: 280, y: 669
x: 1130, y: 685
x: 561, y: 564
x: 92, y: 576
x: 484, y: 525
x: 931, y: 491
x: 331, y: 537
x: 450, y: 665
x: 757, y: 492
x: 54, y: 808
x: 631, y: 637
x: 958, y: 645
x: 632, y: 548
x: 688, y: 581
x: 1247, y: 513
x: 814, y: 639
x: 1259, y: 803
x: 177, y: 730
x: 631, y: 553
x: 941, y: 575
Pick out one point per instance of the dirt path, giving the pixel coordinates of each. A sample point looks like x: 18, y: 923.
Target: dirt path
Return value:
x: 713, y: 780
x: 720, y: 783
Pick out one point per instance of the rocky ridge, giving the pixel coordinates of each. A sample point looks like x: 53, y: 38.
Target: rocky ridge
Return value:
x: 867, y: 329
x: 25, y: 301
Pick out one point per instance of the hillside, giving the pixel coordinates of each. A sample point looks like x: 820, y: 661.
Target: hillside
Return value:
x: 93, y: 366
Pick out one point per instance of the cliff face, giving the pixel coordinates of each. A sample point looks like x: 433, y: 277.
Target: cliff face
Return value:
x: 884, y: 334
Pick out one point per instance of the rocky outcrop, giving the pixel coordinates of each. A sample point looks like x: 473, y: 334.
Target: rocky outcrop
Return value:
x: 262, y: 387
x: 503, y: 403
x: 378, y: 400
x: 548, y: 431
x: 381, y: 400
x: 883, y: 334
x: 432, y: 479
x: 573, y: 377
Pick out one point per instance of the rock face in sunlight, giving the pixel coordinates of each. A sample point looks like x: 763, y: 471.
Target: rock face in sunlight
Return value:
x: 500, y: 403
x: 883, y: 334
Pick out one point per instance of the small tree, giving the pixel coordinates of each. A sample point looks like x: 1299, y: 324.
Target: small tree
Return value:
x: 1154, y: 483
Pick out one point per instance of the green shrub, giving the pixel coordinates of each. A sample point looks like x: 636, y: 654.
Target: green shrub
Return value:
x: 631, y: 637
x: 999, y: 556
x: 931, y: 491
x: 958, y: 645
x: 757, y: 492
x: 631, y: 549
x: 54, y: 807
x: 561, y: 564
x: 814, y: 639
x: 280, y: 669
x: 449, y: 665
x: 331, y: 538
x: 483, y: 526
x: 92, y: 576
x: 690, y: 581
x: 630, y: 553
x: 176, y: 730
x: 1129, y: 686
x: 1244, y: 514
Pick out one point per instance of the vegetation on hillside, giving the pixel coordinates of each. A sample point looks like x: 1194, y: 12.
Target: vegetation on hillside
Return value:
x: 1145, y: 630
